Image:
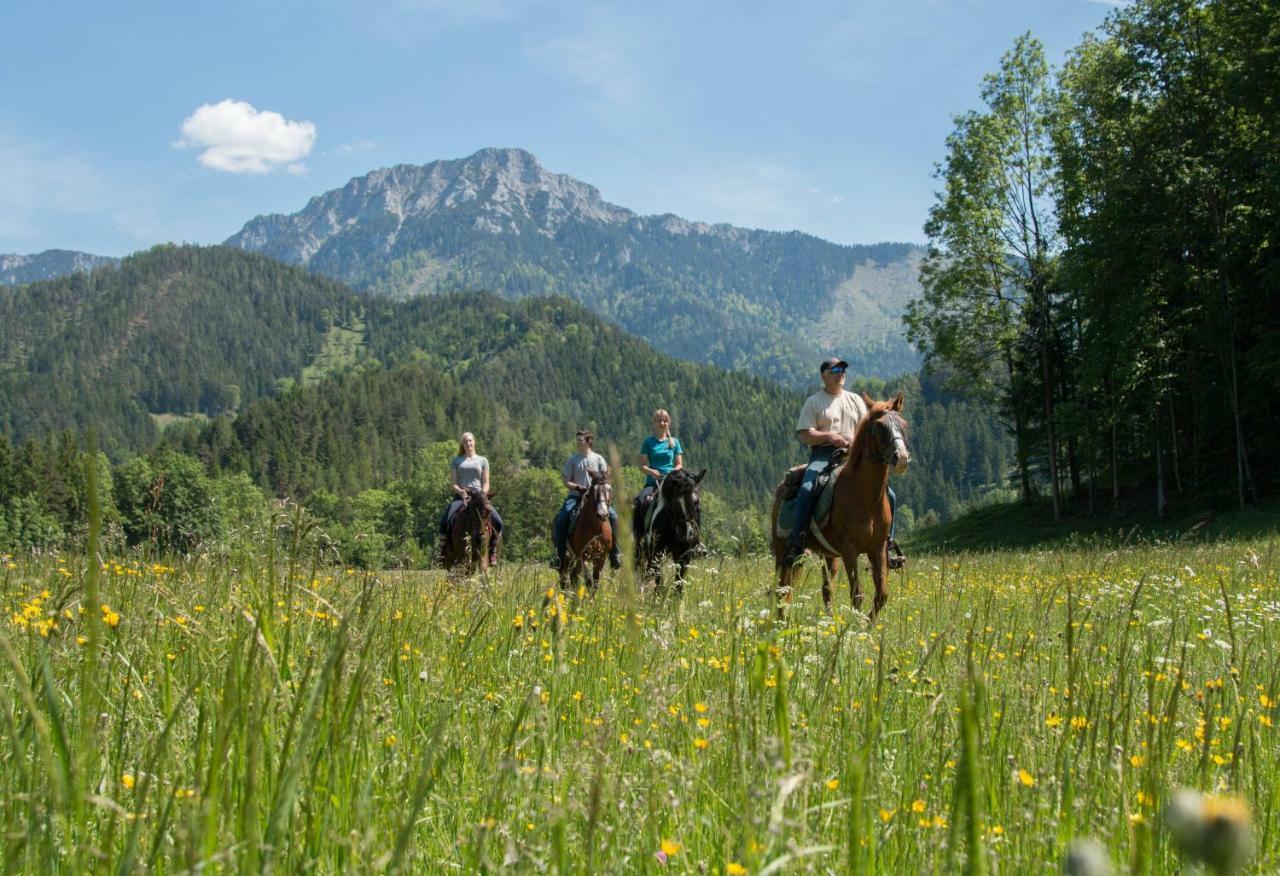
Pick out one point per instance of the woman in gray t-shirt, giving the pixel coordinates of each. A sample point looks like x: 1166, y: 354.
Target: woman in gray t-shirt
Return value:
x: 469, y: 470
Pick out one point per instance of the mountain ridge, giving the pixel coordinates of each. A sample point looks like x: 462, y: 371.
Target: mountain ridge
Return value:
x: 17, y: 269
x: 765, y: 301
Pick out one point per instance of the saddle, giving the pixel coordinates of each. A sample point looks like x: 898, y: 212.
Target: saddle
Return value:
x: 822, y: 495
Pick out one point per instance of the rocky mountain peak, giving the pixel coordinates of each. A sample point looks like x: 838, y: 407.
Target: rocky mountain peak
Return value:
x: 507, y: 190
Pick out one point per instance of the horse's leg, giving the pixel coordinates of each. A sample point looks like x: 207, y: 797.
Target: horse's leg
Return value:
x: 783, y: 591
x: 851, y: 571
x: 682, y: 569
x: 828, y: 572
x: 880, y: 575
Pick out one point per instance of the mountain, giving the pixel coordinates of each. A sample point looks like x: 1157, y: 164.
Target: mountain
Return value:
x: 771, y: 303
x: 18, y: 269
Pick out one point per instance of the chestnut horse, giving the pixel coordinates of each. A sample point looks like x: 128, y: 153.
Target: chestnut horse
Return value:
x: 470, y: 534
x: 859, y: 520
x: 591, y: 538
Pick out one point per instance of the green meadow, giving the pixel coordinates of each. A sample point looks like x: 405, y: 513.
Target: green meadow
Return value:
x: 255, y: 710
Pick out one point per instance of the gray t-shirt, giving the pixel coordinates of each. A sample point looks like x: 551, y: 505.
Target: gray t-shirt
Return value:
x: 577, y: 468
x: 469, y: 471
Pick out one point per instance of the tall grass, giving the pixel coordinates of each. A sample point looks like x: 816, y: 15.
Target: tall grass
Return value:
x: 253, y: 712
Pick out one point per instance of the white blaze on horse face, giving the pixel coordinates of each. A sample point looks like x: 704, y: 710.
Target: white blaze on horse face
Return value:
x: 901, y: 454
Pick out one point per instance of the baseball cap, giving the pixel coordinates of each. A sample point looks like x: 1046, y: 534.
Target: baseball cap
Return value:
x: 832, y: 363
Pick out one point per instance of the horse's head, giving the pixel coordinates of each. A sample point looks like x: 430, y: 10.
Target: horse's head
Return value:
x: 600, y: 494
x: 477, y: 498
x: 680, y: 500
x: 887, y: 433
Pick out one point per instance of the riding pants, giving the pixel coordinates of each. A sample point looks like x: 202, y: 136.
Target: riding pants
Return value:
x: 455, y: 506
x: 819, y: 459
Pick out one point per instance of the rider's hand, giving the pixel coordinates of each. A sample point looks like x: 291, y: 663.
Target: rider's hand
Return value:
x: 839, y: 441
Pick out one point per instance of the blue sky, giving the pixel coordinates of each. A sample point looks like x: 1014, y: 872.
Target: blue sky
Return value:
x: 819, y: 116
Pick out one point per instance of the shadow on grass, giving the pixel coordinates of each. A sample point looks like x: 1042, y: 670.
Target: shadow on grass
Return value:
x: 1015, y: 525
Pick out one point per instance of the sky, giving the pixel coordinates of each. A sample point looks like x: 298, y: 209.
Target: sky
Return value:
x: 127, y: 124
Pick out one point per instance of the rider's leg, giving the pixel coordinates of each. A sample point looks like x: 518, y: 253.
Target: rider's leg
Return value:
x: 804, y: 504
x: 560, y: 529
x: 615, y: 554
x: 893, y: 511
x: 496, y: 520
x: 896, y: 557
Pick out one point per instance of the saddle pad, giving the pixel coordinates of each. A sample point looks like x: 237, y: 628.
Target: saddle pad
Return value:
x: 821, y: 503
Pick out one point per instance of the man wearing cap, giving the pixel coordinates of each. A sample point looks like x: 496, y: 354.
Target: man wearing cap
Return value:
x: 827, y: 423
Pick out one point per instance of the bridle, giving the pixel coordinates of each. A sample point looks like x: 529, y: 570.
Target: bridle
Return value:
x: 884, y: 450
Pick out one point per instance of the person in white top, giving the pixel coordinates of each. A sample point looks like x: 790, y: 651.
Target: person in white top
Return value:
x: 827, y: 424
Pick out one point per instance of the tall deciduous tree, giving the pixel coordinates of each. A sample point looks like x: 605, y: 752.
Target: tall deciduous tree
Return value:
x: 987, y: 309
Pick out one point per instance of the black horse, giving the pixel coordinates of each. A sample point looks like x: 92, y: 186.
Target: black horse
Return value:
x: 671, y: 524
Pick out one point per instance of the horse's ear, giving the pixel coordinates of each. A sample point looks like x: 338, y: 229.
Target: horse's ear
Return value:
x: 868, y: 400
x: 897, y: 402
x: 491, y: 493
x: 702, y: 473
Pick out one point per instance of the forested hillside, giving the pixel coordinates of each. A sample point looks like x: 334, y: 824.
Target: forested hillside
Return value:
x: 282, y: 384
x: 173, y: 331
x: 759, y: 301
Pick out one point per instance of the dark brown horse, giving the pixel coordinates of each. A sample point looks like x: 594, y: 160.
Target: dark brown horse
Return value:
x: 471, y: 534
x: 859, y: 520
x: 591, y: 538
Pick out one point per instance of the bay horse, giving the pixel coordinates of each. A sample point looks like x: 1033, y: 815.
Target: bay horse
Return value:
x: 470, y: 538
x: 676, y: 528
x: 591, y: 538
x: 860, y: 517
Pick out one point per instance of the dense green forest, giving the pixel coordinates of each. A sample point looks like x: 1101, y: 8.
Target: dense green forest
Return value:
x: 171, y: 331
x: 359, y: 426
x: 1104, y: 268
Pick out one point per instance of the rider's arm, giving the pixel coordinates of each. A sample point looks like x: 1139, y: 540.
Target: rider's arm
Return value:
x: 484, y: 484
x: 814, y: 437
x: 644, y: 466
x: 453, y: 481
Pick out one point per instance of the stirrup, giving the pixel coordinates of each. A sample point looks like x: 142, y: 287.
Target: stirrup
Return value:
x: 897, y: 559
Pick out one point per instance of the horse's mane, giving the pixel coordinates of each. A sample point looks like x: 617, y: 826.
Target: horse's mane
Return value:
x: 862, y: 433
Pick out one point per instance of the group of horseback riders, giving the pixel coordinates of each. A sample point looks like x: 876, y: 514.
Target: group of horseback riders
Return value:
x: 827, y: 424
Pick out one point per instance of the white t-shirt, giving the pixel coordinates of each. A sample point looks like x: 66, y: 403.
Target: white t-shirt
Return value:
x: 577, y: 468
x: 832, y: 413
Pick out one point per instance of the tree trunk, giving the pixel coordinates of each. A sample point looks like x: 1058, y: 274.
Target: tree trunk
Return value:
x: 1019, y: 434
x: 1115, y: 465
x: 1160, y: 490
x: 1244, y: 475
x: 1045, y: 375
x: 1173, y: 448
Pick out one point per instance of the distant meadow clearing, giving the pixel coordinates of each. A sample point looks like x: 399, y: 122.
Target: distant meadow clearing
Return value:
x: 250, y: 712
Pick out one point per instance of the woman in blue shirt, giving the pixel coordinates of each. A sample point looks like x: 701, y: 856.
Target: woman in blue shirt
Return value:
x: 660, y: 454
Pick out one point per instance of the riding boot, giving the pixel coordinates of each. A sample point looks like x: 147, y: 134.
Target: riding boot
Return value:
x: 795, y: 549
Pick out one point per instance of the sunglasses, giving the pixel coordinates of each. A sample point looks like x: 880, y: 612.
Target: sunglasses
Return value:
x: 836, y: 369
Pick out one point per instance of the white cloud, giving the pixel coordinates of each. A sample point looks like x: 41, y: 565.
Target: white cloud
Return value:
x: 240, y: 139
